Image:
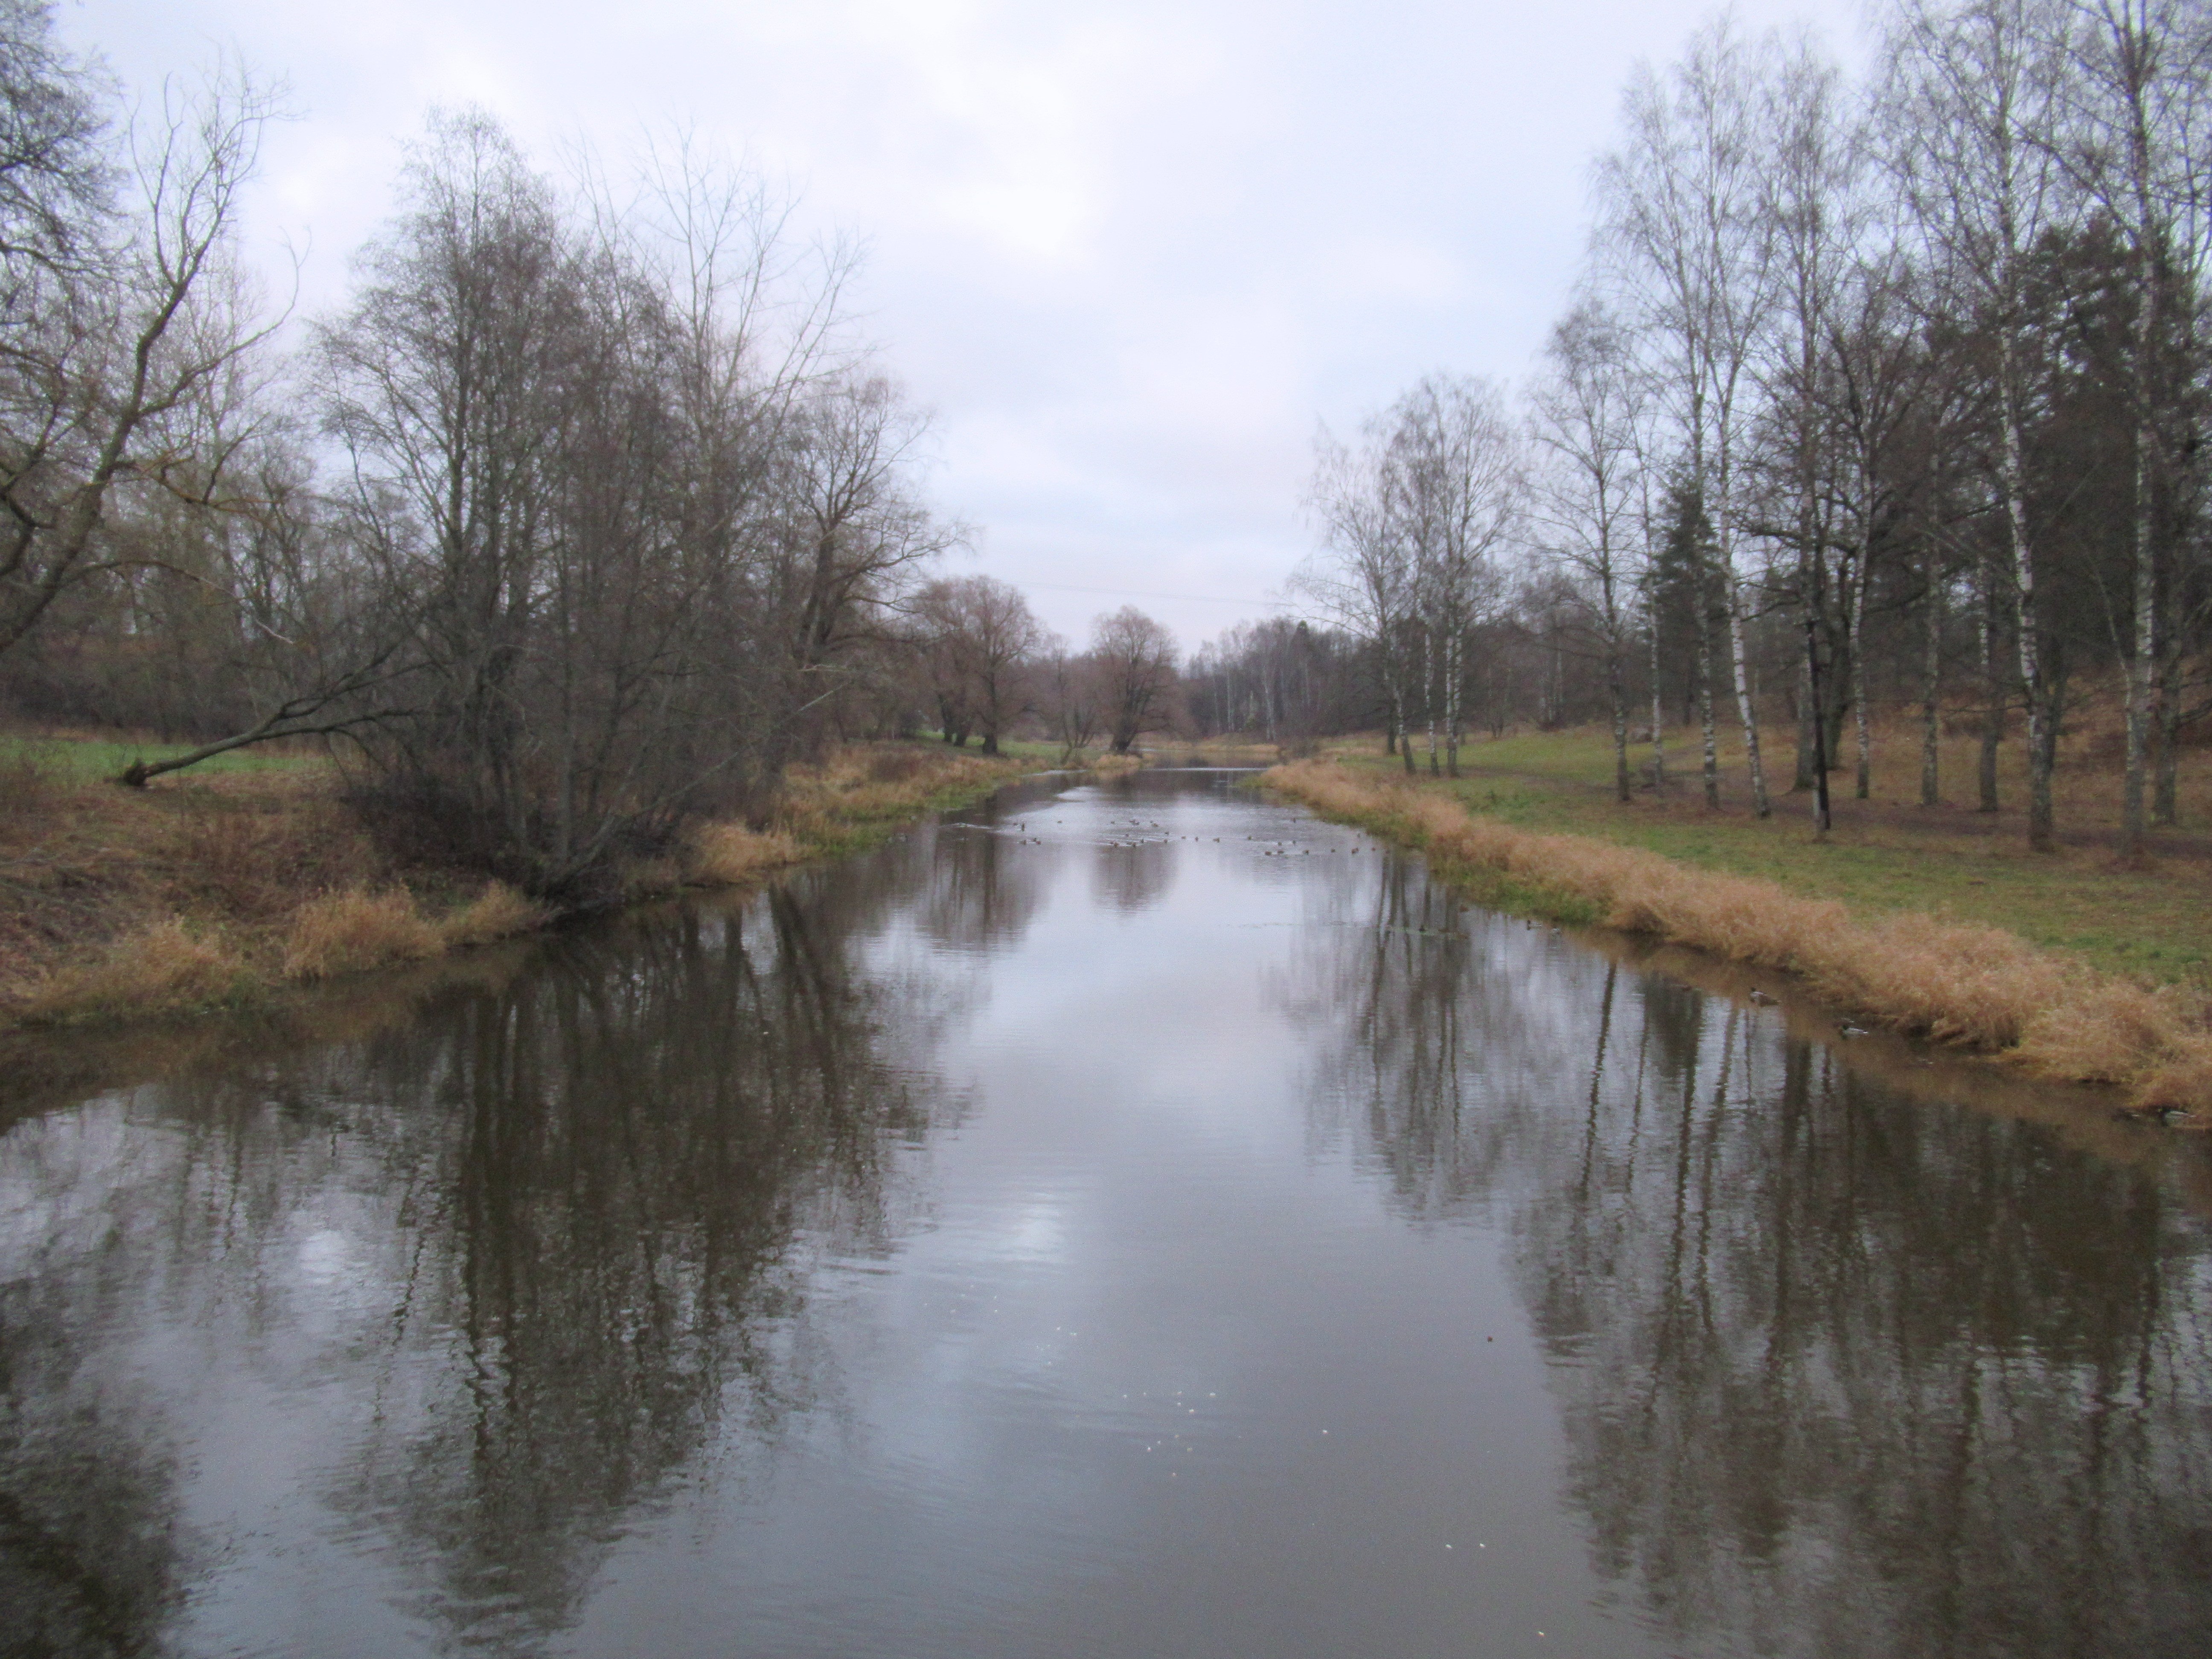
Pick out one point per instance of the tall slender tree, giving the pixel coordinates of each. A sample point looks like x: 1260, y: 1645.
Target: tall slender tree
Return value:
x: 1680, y: 220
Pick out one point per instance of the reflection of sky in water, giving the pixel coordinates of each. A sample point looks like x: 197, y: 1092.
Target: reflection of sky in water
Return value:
x: 1009, y: 1243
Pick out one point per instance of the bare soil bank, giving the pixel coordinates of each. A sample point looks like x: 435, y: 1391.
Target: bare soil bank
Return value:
x: 1979, y: 987
x: 234, y: 890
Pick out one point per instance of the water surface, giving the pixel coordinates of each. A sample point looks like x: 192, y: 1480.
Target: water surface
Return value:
x: 1136, y: 1220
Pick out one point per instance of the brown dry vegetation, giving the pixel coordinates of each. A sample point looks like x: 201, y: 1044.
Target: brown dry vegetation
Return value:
x: 1978, y: 986
x: 862, y: 791
x: 229, y: 889
x: 214, y: 891
x: 356, y: 931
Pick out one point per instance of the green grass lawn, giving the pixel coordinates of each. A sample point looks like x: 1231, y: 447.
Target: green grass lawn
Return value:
x: 91, y: 760
x: 2156, y: 923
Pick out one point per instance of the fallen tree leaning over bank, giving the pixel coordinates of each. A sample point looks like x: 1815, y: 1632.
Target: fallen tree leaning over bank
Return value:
x: 1979, y: 987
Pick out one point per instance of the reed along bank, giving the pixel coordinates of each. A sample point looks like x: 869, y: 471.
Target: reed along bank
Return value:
x: 1976, y: 986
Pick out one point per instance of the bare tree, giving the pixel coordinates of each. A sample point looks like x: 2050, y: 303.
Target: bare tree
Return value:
x: 304, y: 641
x: 1973, y: 100
x: 1135, y: 662
x: 1071, y: 692
x: 121, y: 314
x: 1589, y: 419
x: 2135, y: 145
x: 645, y: 537
x: 853, y: 531
x: 980, y: 637
x: 56, y: 176
x: 1807, y: 165
x: 1364, y: 580
x: 1682, y: 219
x: 1453, y: 482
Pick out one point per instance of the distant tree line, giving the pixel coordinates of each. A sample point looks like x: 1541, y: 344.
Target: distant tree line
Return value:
x: 1869, y: 395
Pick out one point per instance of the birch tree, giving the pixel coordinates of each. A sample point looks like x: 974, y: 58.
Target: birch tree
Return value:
x: 2140, y: 118
x: 1362, y: 579
x: 1973, y: 103
x: 1453, y: 483
x: 1587, y: 501
x: 1807, y: 167
x: 1680, y: 219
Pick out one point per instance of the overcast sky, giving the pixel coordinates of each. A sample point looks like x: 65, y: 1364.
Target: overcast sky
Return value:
x: 1130, y: 254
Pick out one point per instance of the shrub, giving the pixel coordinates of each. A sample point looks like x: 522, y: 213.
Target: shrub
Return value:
x: 724, y: 855
x: 894, y: 765
x: 353, y: 931
x: 499, y: 912
x: 164, y: 967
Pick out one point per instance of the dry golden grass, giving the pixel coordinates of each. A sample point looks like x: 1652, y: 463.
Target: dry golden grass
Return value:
x: 726, y: 855
x: 499, y: 912
x: 2182, y: 1081
x: 354, y: 931
x: 164, y: 967
x: 246, y: 886
x: 861, y: 790
x: 1978, y: 986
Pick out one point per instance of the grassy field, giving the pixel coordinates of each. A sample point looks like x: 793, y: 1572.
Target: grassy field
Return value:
x: 95, y: 760
x: 1887, y: 853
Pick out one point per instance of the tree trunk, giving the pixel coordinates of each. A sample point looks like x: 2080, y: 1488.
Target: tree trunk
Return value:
x: 1822, y: 819
x: 1931, y: 688
x: 2144, y: 661
x: 1616, y: 689
x: 1740, y: 666
x: 2148, y: 273
x: 1808, y: 717
x: 1993, y: 713
x: 2042, y: 737
x: 1393, y: 682
x: 1865, y: 779
x: 1453, y: 646
x: 1712, y: 755
x: 2165, y: 803
x: 1812, y: 589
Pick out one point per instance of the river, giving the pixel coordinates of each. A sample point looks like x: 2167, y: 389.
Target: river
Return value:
x: 1126, y: 1219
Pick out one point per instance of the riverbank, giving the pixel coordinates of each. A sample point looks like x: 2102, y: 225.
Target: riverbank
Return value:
x: 237, y: 887
x: 1968, y: 983
x: 2150, y: 919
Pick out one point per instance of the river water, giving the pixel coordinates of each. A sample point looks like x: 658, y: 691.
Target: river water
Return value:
x: 1127, y: 1219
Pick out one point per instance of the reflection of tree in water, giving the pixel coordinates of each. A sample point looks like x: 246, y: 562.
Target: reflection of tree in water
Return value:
x: 1400, y: 970
x: 636, y: 1139
x: 563, y: 1219
x: 1842, y: 1373
x: 90, y: 1552
x: 980, y: 890
x: 1133, y: 875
